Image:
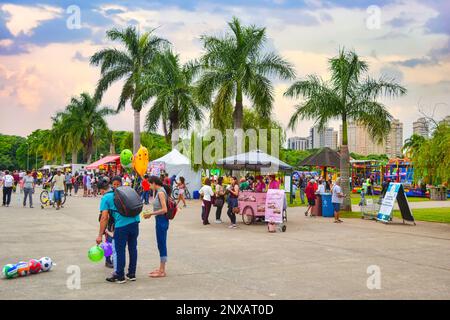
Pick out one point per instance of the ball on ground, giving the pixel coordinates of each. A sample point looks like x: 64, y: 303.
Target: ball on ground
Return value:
x: 23, y: 269
x: 34, y: 265
x: 46, y: 264
x: 10, y: 271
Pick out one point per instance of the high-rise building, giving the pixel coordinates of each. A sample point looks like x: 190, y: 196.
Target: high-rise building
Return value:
x: 323, y: 138
x: 394, y: 141
x: 298, y: 143
x: 421, y: 127
x: 361, y: 142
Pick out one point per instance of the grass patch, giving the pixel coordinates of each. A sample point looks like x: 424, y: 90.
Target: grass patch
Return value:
x: 441, y: 215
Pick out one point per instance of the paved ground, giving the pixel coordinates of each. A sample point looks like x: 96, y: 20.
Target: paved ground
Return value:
x: 314, y: 259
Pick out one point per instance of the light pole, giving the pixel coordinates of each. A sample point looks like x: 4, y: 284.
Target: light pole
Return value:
x: 28, y: 155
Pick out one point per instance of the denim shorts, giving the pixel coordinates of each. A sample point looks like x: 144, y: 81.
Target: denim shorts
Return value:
x: 336, y: 206
x: 58, y: 195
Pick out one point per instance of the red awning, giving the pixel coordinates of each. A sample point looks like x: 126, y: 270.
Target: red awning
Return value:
x: 105, y: 160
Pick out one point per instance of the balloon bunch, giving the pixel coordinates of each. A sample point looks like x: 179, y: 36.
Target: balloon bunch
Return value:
x: 137, y: 162
x: 23, y: 268
x: 96, y: 253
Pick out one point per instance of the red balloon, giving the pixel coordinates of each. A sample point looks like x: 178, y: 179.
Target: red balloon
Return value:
x: 34, y: 265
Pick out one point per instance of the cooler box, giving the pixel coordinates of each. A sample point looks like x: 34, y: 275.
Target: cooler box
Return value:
x: 196, y: 194
x: 327, y: 206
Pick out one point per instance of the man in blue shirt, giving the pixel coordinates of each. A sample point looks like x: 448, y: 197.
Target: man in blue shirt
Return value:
x: 126, y: 232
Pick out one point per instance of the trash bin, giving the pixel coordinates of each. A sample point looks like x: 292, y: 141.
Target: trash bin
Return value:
x: 196, y: 195
x: 327, y: 206
x: 317, y: 209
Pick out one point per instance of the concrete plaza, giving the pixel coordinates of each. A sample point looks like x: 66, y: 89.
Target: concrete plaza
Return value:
x: 314, y: 259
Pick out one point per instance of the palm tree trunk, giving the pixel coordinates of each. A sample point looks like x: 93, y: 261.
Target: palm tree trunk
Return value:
x: 137, y: 130
x: 238, y: 113
x: 74, y: 156
x: 345, y: 167
x: 63, y: 157
x: 166, y: 131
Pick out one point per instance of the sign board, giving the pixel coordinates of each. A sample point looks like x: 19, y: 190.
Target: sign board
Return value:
x: 274, y: 205
x: 394, y: 192
x: 255, y: 200
x: 156, y: 167
x: 287, y: 184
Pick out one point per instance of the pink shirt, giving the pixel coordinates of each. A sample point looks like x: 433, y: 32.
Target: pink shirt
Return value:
x: 274, y: 184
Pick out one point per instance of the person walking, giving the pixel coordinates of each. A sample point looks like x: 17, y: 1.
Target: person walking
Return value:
x: 8, y: 183
x: 233, y: 203
x: 182, y: 191
x: 126, y: 233
x: 161, y: 225
x: 337, y: 198
x: 58, y: 185
x: 69, y: 184
x: 220, y: 199
x: 310, y: 192
x: 207, y: 193
x: 28, y: 189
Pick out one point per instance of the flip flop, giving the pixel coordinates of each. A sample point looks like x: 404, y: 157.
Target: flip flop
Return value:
x: 158, y: 275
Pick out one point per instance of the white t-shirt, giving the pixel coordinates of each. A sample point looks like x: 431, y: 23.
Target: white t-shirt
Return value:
x: 334, y: 195
x: 207, y: 192
x: 8, y: 181
x: 320, y: 189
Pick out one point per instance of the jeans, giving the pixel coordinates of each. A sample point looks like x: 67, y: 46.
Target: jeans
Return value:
x: 28, y: 192
x: 302, y: 195
x: 123, y: 236
x: 7, y: 195
x: 145, y: 196
x: 58, y: 194
x: 219, y: 212
x: 232, y: 203
x: 161, y: 226
x: 75, y: 188
x: 205, y: 216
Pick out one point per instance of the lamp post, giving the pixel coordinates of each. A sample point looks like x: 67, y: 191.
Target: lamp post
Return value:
x: 28, y: 155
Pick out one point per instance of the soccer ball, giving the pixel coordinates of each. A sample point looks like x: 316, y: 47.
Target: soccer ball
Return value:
x: 35, y: 266
x: 23, y: 269
x: 10, y: 271
x: 46, y: 263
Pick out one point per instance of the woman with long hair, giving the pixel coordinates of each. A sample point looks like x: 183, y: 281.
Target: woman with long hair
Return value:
x: 233, y: 195
x: 220, y: 199
x: 181, y: 191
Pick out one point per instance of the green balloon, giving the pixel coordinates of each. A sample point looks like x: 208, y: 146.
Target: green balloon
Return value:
x: 96, y: 254
x: 126, y: 157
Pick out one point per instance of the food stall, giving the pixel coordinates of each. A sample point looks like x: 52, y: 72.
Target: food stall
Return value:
x: 109, y: 164
x: 259, y: 206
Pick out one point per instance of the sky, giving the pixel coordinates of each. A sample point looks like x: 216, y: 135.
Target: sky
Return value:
x: 45, y: 48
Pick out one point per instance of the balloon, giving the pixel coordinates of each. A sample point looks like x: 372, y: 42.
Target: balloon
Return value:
x: 126, y: 158
x: 107, y: 248
x: 96, y: 254
x: 140, y: 161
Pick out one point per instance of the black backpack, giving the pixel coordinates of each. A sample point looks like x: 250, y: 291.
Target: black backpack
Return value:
x: 127, y: 201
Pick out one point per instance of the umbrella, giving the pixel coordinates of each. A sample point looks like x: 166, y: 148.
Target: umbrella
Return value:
x: 324, y: 158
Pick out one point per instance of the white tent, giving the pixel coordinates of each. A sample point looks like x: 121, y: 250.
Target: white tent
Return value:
x: 254, y: 160
x: 180, y: 166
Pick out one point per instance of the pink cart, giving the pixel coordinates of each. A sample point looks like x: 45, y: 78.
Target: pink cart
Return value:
x: 252, y: 207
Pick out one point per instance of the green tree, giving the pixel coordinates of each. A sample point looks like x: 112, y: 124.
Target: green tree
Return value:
x: 347, y: 96
x: 83, y: 120
x: 129, y: 64
x: 412, y: 145
x: 172, y: 85
x: 234, y: 66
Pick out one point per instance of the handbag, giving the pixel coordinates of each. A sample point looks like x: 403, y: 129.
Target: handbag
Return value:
x: 236, y: 210
x: 218, y: 202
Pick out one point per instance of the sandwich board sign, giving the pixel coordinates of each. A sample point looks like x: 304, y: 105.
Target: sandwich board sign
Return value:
x: 394, y: 192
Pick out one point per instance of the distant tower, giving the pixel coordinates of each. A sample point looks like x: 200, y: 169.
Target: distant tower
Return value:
x: 421, y: 127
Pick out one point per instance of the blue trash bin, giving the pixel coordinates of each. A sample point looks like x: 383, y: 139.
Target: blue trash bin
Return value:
x: 196, y: 195
x: 327, y: 206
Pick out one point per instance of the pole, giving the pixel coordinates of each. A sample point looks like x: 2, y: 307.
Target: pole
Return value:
x: 28, y: 156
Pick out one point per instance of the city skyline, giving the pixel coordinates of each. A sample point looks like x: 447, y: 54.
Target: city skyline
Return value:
x: 43, y: 63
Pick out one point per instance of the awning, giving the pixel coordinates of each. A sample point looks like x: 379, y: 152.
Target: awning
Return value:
x: 253, y: 161
x: 102, y: 161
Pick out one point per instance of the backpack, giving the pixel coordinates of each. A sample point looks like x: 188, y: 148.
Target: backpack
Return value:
x: 172, y: 208
x: 128, y: 202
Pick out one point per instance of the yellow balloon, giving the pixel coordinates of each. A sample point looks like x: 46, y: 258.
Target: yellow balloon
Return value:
x: 140, y: 161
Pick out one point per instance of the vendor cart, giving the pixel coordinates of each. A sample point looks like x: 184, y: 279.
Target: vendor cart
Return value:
x: 252, y: 207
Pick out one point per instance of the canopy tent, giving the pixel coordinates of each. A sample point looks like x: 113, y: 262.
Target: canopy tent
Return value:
x: 253, y: 161
x: 48, y: 167
x: 324, y: 158
x: 106, y: 160
x: 179, y: 165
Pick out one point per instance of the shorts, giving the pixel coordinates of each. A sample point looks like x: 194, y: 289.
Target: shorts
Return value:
x: 312, y: 202
x: 58, y: 195
x: 336, y: 206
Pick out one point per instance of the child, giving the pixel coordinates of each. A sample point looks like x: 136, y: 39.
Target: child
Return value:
x: 145, y: 189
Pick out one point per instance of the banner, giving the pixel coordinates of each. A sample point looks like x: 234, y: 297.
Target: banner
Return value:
x: 394, y: 192
x: 274, y: 205
x: 155, y: 168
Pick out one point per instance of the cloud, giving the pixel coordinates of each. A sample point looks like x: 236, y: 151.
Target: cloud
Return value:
x: 23, y: 19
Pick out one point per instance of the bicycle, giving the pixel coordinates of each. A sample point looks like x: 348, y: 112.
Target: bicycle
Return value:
x: 46, y: 197
x: 176, y: 192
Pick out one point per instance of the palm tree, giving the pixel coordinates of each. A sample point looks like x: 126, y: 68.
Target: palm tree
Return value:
x: 129, y: 64
x: 412, y: 145
x: 83, y: 120
x: 346, y: 97
x: 172, y: 85
x: 235, y: 66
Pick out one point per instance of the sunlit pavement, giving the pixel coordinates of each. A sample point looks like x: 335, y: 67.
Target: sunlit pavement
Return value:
x: 314, y: 259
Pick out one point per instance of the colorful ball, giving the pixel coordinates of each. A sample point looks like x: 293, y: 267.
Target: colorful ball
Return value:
x: 23, y: 269
x: 35, y: 266
x: 10, y: 271
x: 95, y: 254
x: 46, y: 263
x: 107, y: 248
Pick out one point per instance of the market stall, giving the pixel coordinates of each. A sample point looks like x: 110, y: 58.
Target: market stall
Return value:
x: 268, y: 206
x: 109, y: 164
